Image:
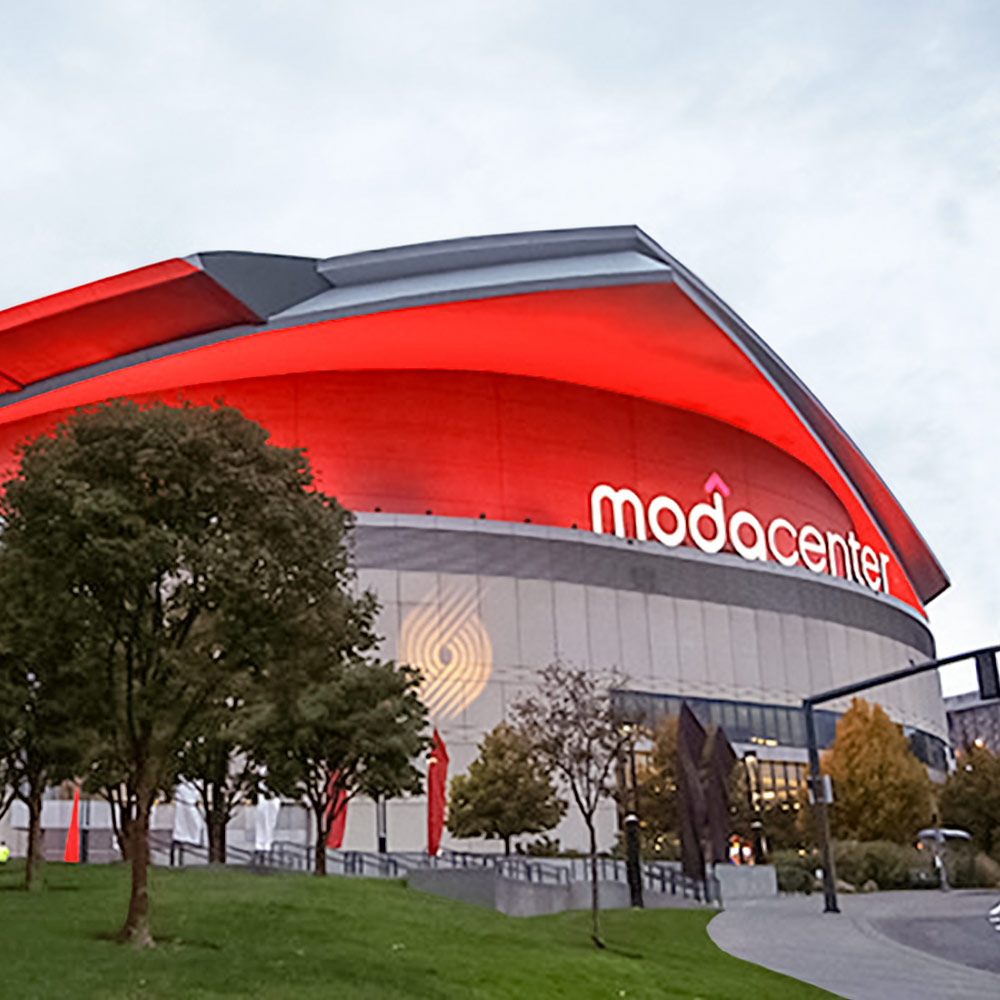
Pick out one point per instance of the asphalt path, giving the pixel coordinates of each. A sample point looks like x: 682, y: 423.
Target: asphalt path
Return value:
x: 969, y: 940
x: 927, y: 945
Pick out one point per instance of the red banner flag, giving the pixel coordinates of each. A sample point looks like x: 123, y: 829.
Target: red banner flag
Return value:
x: 335, y: 838
x: 71, y: 852
x: 437, y: 781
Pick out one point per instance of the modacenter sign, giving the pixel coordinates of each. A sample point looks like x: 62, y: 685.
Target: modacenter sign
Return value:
x: 709, y: 526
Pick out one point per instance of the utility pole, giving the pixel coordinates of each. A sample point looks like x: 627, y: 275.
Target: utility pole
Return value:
x: 989, y: 687
x: 633, y: 862
x: 750, y: 766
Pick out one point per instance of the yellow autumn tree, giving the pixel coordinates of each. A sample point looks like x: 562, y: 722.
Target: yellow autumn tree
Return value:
x: 880, y: 790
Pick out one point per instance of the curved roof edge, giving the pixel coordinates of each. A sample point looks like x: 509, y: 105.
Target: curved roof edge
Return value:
x: 922, y: 565
x: 227, y: 294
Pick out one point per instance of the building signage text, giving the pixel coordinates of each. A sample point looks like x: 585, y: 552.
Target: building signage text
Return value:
x: 708, y: 526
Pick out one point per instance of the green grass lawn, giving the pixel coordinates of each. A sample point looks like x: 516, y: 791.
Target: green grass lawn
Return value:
x: 225, y: 933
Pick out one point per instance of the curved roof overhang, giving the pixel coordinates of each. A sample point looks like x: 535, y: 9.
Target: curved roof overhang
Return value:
x: 560, y: 305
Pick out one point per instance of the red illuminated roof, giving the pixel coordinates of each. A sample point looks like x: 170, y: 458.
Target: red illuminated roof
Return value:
x: 111, y: 318
x: 549, y: 305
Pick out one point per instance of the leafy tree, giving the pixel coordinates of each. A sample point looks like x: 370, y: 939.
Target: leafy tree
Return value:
x: 970, y: 798
x: 107, y: 777
x: 6, y: 789
x: 507, y: 791
x: 787, y: 823
x: 41, y: 727
x: 220, y: 767
x: 189, y: 552
x: 339, y: 725
x: 579, y: 735
x: 656, y: 792
x: 881, y: 791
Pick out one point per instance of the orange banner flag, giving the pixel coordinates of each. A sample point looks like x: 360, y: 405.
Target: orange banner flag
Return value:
x: 71, y: 852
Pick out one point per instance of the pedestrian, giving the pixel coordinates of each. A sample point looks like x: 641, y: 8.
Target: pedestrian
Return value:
x: 4, y: 852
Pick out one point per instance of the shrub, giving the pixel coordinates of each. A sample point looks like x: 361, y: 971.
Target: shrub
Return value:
x: 887, y: 865
x: 547, y: 847
x: 795, y: 871
x: 969, y: 869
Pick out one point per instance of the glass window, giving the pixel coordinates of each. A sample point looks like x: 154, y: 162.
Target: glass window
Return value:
x: 826, y: 728
x: 796, y: 778
x: 797, y: 725
x: 728, y: 716
x: 743, y: 723
x: 782, y: 725
x: 780, y: 781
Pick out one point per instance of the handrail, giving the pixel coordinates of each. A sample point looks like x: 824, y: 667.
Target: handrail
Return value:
x: 295, y: 856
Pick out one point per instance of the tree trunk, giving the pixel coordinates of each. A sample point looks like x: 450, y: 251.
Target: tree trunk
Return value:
x: 136, y: 929
x: 595, y: 911
x: 506, y: 845
x: 321, y: 834
x: 216, y: 839
x: 216, y: 805
x: 215, y: 821
x: 125, y: 835
x: 121, y: 818
x: 33, y: 868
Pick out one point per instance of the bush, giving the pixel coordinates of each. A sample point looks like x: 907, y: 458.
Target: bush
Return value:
x: 886, y: 865
x: 968, y: 869
x: 547, y: 847
x: 795, y: 871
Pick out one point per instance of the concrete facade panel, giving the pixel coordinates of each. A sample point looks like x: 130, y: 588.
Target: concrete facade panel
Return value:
x: 818, y: 654
x: 603, y: 629
x: 746, y: 654
x: 633, y: 623
x: 498, y: 611
x: 536, y: 623
x: 799, y: 673
x: 720, y: 672
x: 666, y: 668
x: 691, y: 646
x: 570, y: 607
x: 771, y: 652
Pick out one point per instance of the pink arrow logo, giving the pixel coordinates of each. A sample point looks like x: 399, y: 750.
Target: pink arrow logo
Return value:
x: 715, y: 483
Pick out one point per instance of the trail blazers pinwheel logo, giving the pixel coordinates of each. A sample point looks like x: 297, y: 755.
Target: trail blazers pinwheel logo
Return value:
x: 449, y: 644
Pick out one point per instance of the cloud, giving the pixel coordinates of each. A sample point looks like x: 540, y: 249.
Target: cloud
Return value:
x: 831, y: 172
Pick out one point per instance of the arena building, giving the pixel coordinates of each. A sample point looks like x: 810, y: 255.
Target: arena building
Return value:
x: 559, y: 445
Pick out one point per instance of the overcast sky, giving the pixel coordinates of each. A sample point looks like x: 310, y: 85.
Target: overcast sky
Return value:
x: 830, y: 170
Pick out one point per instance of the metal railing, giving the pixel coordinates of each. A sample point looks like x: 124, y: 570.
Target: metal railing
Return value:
x: 295, y: 856
x: 669, y: 879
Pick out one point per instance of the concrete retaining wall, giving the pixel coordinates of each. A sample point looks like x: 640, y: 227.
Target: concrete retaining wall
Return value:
x: 531, y: 899
x: 746, y: 881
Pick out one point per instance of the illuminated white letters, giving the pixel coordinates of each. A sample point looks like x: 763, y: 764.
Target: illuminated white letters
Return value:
x: 618, y: 499
x: 780, y: 524
x: 706, y: 526
x: 869, y: 566
x: 757, y: 550
x: 835, y: 543
x: 854, y: 546
x: 679, y: 532
x: 713, y: 512
x: 812, y: 549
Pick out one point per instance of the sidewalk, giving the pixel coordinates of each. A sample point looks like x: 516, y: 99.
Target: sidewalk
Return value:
x: 852, y: 953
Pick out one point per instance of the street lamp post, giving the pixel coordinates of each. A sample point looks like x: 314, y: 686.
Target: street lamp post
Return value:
x: 989, y: 687
x: 381, y: 833
x: 753, y: 797
x: 633, y: 867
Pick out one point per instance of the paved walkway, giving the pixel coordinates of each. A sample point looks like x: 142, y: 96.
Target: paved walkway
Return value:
x: 883, y: 946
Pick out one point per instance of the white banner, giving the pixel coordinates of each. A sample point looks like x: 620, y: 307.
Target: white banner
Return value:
x: 189, y: 823
x: 265, y: 823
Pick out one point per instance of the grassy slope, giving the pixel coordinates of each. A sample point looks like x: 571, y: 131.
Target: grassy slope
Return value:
x: 232, y: 934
